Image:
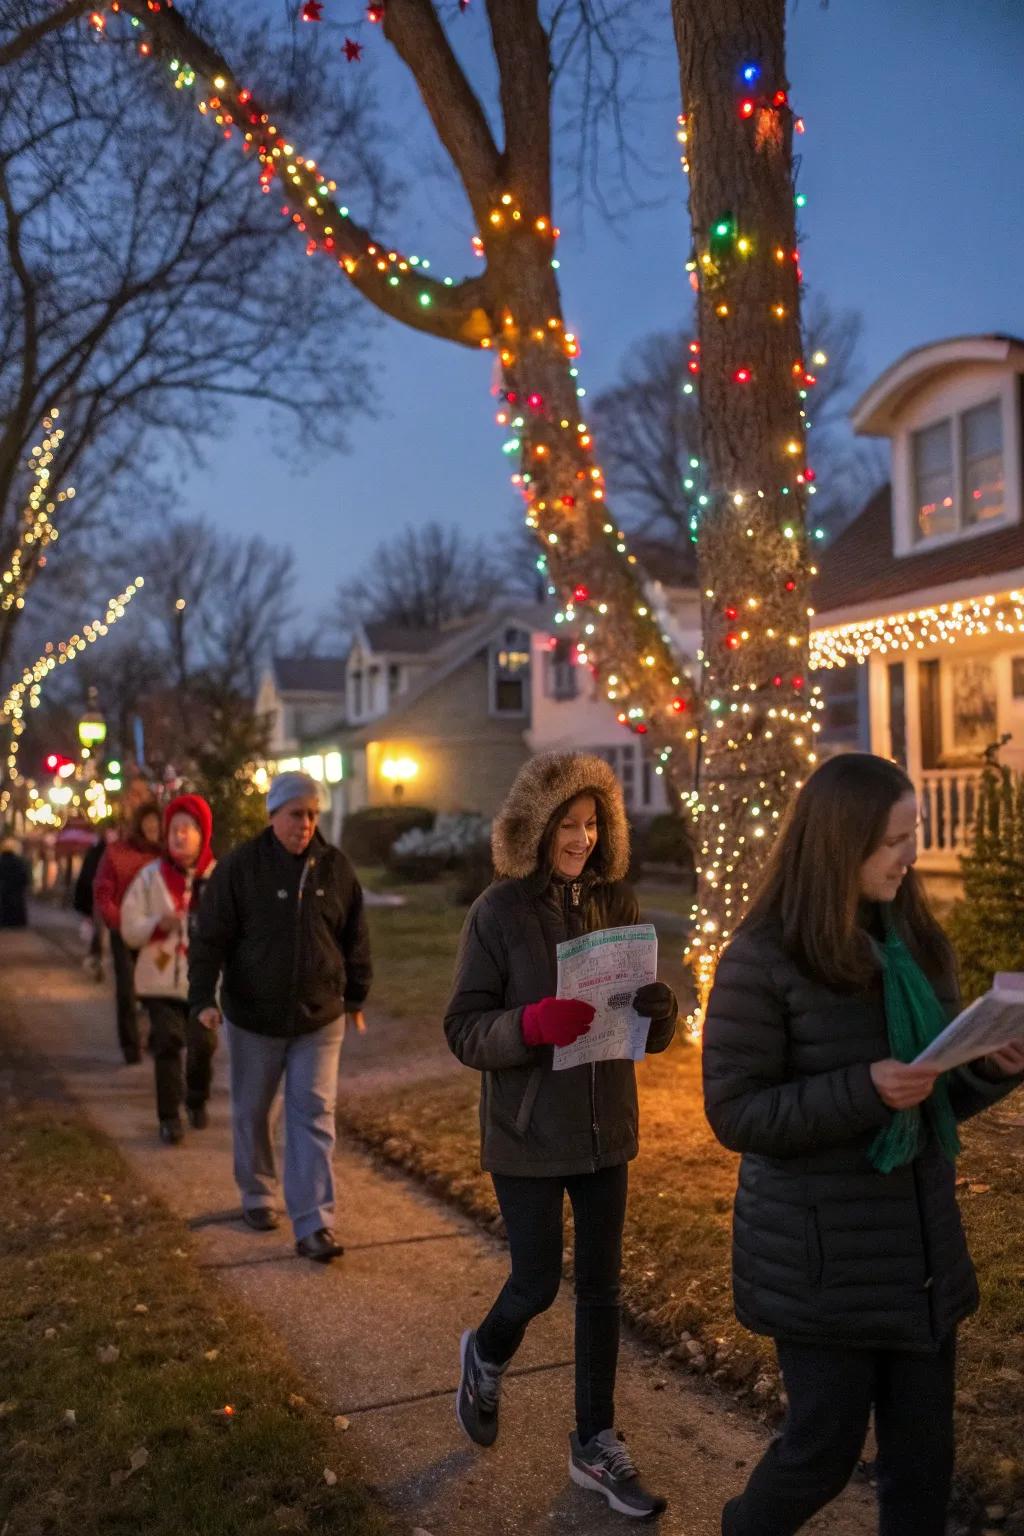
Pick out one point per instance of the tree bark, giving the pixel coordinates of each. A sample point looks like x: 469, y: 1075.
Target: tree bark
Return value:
x: 757, y: 732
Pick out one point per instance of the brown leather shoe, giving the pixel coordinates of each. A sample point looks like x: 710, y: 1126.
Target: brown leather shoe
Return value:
x: 319, y: 1246
x: 261, y: 1218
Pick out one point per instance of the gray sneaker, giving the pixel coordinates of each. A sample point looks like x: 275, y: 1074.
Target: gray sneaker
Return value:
x: 476, y: 1402
x: 605, y: 1466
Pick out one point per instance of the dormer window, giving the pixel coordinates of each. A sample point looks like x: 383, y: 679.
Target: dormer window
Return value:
x: 958, y: 474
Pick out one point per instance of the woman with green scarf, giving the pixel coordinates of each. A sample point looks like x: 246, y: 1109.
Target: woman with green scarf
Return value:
x: 848, y: 1248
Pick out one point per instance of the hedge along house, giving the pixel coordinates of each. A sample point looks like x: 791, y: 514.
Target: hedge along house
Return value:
x: 481, y: 698
x: 919, y: 629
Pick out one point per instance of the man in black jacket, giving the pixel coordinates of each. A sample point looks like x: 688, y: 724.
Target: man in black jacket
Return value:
x: 282, y: 928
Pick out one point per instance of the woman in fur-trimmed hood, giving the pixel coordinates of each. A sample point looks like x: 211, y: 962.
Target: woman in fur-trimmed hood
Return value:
x: 561, y: 850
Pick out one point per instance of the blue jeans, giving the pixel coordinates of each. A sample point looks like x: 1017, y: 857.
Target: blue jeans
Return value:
x: 308, y: 1064
x: 532, y: 1210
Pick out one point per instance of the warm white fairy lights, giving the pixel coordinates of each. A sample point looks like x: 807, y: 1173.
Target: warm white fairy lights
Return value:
x: 917, y: 630
x: 37, y: 529
x: 26, y: 693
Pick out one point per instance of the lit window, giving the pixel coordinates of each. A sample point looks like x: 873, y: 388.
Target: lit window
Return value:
x: 983, y: 463
x: 933, y: 481
x: 510, y: 671
x: 958, y: 472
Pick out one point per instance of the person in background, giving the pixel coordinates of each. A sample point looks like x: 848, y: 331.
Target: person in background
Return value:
x: 121, y: 862
x: 157, y: 918
x: 83, y: 901
x: 284, y: 925
x: 14, y: 884
x: 561, y: 851
x: 848, y: 1248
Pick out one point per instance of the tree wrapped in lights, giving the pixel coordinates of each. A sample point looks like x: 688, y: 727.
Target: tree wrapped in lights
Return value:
x: 511, y: 310
x: 757, y: 726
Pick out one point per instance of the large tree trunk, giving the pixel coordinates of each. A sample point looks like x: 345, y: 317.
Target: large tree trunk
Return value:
x: 756, y: 736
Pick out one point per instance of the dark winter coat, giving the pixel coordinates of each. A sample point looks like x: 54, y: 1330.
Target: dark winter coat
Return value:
x: 14, y: 882
x: 288, y: 934
x: 533, y: 1120
x: 826, y: 1250
x: 83, y: 899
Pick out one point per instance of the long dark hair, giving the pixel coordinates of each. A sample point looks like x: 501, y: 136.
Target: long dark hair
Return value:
x: 812, y: 880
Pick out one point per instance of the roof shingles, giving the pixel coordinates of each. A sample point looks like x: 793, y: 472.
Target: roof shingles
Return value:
x: 861, y: 567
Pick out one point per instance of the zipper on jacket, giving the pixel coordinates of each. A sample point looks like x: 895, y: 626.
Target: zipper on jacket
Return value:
x: 573, y: 903
x: 184, y: 936
x: 296, y: 964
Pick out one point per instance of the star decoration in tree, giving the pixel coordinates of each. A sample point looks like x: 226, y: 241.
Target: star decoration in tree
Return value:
x: 313, y: 10
x: 352, y: 51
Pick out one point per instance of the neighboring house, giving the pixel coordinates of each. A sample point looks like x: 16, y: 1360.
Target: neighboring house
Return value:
x: 925, y: 589
x: 451, y: 715
x: 300, y: 695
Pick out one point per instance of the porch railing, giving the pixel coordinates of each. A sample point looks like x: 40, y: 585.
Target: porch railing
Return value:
x: 949, y: 799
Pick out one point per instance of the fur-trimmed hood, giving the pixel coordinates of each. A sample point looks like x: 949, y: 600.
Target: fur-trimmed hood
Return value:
x: 540, y: 787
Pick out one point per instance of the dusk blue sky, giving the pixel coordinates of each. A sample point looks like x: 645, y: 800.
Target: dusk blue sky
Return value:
x: 914, y: 173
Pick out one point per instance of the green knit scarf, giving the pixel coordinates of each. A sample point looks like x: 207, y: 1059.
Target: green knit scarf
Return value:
x: 914, y: 1017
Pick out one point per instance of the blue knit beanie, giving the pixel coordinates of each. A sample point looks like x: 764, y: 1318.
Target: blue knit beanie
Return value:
x: 292, y: 786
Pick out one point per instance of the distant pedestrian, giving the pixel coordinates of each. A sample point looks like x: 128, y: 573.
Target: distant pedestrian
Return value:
x: 83, y: 901
x: 848, y: 1248
x: 283, y: 932
x: 561, y: 850
x: 157, y: 919
x: 120, y: 863
x: 14, y: 884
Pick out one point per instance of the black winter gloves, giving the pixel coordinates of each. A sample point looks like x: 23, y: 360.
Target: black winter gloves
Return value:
x: 656, y: 1001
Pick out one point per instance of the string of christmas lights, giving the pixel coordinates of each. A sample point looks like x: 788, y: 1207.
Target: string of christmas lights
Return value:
x: 918, y: 630
x: 36, y: 528
x: 562, y: 486
x: 26, y: 693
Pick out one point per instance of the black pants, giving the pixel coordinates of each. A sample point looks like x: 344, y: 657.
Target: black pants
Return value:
x: 171, y: 1031
x: 831, y: 1393
x: 532, y: 1209
x: 124, y: 985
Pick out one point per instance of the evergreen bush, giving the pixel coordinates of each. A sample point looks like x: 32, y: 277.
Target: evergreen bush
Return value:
x: 987, y: 926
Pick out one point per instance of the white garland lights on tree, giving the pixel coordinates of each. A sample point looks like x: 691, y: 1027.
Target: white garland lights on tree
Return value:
x: 26, y: 693
x: 36, y: 527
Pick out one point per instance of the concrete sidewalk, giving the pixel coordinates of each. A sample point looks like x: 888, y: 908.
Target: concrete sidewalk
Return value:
x: 376, y: 1334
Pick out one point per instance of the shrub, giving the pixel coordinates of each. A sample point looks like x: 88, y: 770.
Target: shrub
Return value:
x: 367, y: 836
x: 987, y: 927
x: 423, y: 853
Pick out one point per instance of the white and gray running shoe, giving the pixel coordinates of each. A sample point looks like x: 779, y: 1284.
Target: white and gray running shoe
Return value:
x: 605, y: 1466
x: 476, y: 1402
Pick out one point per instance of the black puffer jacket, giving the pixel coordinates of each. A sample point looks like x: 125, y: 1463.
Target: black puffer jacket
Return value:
x: 535, y: 1121
x: 289, y: 935
x: 826, y: 1250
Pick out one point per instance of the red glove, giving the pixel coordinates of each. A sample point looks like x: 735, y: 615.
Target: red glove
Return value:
x: 555, y: 1021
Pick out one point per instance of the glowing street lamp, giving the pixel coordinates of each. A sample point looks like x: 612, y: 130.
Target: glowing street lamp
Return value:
x: 92, y: 730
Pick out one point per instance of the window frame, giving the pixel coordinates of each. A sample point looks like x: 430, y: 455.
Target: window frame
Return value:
x: 952, y: 401
x: 497, y: 674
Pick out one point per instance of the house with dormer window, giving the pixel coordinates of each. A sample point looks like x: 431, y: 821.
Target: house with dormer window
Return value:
x: 918, y: 634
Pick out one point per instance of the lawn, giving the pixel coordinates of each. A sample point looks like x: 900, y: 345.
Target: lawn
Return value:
x: 135, y: 1395
x: 677, y: 1242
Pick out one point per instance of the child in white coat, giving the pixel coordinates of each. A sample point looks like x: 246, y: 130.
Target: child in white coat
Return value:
x: 155, y: 919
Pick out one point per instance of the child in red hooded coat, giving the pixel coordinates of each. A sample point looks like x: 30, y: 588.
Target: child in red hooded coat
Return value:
x: 155, y: 919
